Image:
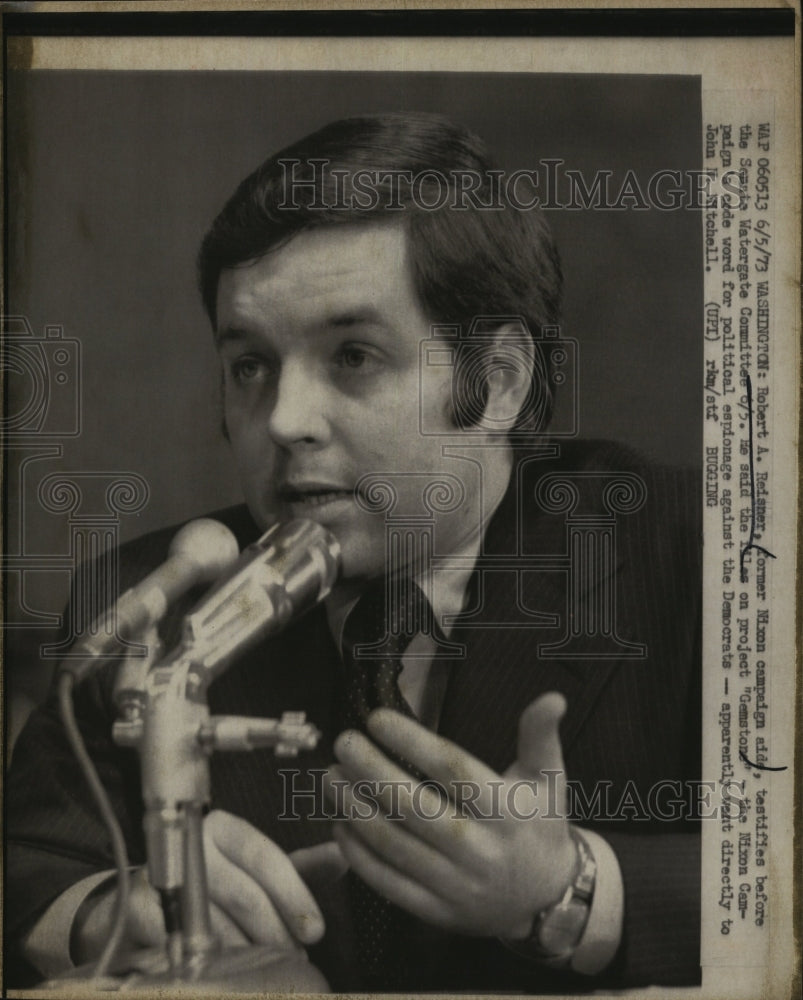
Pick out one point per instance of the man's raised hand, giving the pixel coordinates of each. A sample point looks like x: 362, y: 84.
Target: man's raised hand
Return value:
x: 485, y: 869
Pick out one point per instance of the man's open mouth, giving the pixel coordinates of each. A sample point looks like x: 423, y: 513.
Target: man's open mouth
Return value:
x: 314, y: 496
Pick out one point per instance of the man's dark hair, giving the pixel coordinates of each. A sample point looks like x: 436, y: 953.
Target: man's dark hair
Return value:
x: 435, y: 178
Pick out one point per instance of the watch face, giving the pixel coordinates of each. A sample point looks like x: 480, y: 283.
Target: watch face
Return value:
x: 562, y: 928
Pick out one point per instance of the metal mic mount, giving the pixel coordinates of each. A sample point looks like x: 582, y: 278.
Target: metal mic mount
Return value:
x: 165, y: 716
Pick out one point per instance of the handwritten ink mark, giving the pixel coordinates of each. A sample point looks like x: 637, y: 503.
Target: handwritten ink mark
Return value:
x: 750, y: 544
x: 759, y: 767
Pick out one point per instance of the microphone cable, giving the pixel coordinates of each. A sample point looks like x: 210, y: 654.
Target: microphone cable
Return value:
x: 99, y: 794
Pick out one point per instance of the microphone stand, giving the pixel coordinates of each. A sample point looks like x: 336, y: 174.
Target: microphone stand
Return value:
x: 167, y: 720
x: 165, y: 717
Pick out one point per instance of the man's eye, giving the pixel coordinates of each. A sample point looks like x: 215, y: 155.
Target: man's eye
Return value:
x: 354, y: 356
x: 248, y: 370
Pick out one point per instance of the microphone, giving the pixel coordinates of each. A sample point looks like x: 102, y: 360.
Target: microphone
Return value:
x: 199, y: 553
x: 292, y: 567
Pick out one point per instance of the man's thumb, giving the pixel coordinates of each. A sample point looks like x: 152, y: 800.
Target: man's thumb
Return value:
x: 539, y: 740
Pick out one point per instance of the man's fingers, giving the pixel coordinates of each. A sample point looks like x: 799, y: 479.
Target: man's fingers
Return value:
x: 362, y: 760
x: 237, y: 895
x: 225, y: 929
x: 320, y: 866
x: 259, y: 884
x: 394, y: 843
x: 420, y: 810
x: 393, y: 885
x: 457, y: 771
x: 146, y: 922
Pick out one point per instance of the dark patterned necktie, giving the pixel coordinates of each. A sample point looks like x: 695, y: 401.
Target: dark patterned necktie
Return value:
x: 377, y: 631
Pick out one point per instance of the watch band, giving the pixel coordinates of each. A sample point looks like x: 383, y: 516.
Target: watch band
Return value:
x: 558, y: 929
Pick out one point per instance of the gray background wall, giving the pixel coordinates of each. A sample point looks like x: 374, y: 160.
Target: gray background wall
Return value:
x: 113, y: 178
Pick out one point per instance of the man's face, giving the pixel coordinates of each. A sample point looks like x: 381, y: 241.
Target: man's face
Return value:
x: 319, y: 342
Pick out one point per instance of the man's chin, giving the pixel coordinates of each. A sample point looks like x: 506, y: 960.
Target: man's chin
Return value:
x: 360, y: 559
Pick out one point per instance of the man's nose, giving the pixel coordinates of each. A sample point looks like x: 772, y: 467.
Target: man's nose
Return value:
x: 298, y: 410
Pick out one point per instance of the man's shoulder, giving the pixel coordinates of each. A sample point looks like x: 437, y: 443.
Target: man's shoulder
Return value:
x: 601, y: 455
x: 653, y: 505
x: 657, y: 507
x: 592, y: 465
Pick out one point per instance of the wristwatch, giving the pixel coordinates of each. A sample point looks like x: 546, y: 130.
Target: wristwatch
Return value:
x: 558, y: 929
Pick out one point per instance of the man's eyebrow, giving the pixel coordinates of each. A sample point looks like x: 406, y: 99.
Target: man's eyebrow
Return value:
x: 341, y: 317
x: 230, y: 334
x: 355, y: 317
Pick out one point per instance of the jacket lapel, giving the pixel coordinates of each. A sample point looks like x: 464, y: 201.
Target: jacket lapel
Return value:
x: 513, y: 611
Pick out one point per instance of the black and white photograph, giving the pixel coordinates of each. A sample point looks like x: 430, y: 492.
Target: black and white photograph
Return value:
x: 396, y: 542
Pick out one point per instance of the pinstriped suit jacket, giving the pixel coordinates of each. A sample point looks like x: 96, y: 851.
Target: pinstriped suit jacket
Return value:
x: 631, y: 724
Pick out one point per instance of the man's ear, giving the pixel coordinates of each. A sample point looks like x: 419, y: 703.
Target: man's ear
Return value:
x: 508, y: 373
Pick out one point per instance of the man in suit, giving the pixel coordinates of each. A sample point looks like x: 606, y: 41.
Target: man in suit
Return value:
x: 324, y: 276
